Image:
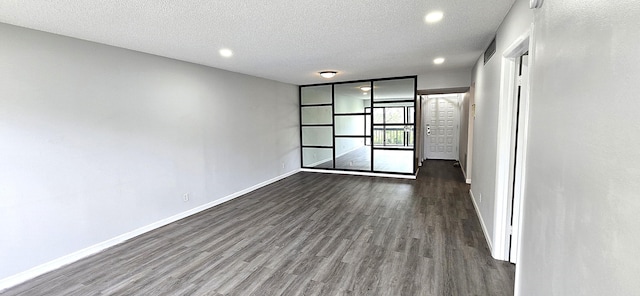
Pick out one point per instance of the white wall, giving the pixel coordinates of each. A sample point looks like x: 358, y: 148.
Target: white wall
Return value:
x: 445, y: 79
x: 486, y: 97
x: 468, y: 166
x: 463, y: 143
x: 98, y: 141
x: 581, y: 231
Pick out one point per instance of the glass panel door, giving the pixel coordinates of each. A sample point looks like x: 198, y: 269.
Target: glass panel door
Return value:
x: 316, y: 126
x: 393, y: 125
x: 359, y: 126
x: 350, y: 118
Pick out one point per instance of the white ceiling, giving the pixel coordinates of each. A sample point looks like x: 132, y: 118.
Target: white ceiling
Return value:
x: 283, y: 40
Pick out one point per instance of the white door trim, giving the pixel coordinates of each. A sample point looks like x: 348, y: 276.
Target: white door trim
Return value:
x: 425, y: 116
x: 472, y: 117
x: 449, y: 99
x: 503, y: 207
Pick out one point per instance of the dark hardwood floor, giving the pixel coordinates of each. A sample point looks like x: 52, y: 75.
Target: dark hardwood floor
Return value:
x: 309, y: 234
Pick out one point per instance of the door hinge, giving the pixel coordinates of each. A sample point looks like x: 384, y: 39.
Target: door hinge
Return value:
x: 510, y: 230
x: 519, y: 80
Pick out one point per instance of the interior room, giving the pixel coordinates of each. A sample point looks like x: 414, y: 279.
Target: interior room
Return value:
x: 319, y: 148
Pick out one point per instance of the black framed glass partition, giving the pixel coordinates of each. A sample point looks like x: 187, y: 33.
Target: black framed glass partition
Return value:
x: 316, y: 126
x: 365, y: 126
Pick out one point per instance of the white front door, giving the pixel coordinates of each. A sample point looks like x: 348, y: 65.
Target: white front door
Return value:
x: 441, y: 126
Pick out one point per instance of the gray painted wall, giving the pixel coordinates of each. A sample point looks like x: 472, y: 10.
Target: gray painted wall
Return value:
x: 486, y: 97
x: 98, y: 141
x: 581, y: 232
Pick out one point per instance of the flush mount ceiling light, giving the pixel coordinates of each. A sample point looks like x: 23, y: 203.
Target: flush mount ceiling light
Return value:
x: 365, y: 88
x: 225, y: 52
x: 328, y: 74
x: 438, y: 61
x: 533, y: 4
x: 434, y: 17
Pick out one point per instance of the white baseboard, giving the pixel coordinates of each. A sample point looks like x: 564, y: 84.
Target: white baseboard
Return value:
x: 484, y: 227
x: 412, y: 177
x: 75, y: 256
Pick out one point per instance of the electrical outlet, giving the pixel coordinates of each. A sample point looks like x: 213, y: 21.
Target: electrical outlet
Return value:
x: 185, y: 197
x: 283, y: 164
x: 480, y: 198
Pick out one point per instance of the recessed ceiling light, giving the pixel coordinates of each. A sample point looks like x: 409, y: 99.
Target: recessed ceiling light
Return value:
x: 225, y: 52
x: 438, y: 61
x: 365, y: 88
x: 434, y: 17
x: 328, y: 74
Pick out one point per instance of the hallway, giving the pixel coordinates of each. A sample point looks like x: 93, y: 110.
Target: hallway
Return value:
x: 309, y: 234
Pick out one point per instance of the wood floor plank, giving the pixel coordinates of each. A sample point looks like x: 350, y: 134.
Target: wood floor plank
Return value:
x: 308, y: 234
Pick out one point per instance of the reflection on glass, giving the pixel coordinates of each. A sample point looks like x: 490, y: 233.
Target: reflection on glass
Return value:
x: 393, y: 114
x: 394, y: 90
x: 352, y: 154
x: 378, y: 136
x: 317, y: 136
x: 393, y: 161
x: 411, y: 115
x: 393, y: 136
x: 409, y: 135
x: 350, y: 125
x: 316, y: 94
x: 317, y: 157
x: 378, y: 115
x: 349, y: 98
x: 367, y: 125
x: 316, y: 115
x: 393, y: 124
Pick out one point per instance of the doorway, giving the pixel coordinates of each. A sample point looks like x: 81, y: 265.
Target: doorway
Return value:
x: 515, y: 163
x: 441, y: 126
x: 511, y: 148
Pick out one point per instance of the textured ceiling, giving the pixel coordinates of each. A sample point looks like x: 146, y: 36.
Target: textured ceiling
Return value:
x: 283, y: 40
